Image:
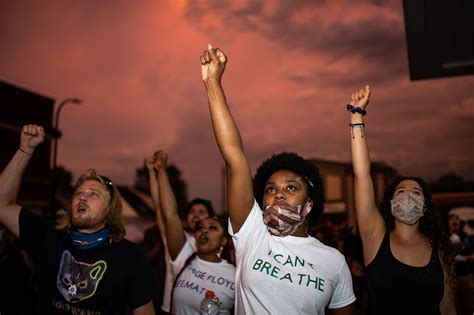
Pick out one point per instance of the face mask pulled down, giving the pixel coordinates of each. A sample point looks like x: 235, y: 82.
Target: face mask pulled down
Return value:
x: 407, y: 207
x: 283, y: 220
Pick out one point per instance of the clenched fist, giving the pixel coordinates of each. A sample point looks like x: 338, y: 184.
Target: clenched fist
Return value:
x: 31, y: 137
x: 213, y: 61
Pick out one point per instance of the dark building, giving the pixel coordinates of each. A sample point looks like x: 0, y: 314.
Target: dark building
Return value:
x: 440, y: 38
x: 338, y: 179
x: 20, y: 107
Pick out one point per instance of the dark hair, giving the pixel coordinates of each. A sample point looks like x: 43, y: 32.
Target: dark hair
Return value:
x: 430, y: 223
x: 304, y: 168
x: 206, y: 203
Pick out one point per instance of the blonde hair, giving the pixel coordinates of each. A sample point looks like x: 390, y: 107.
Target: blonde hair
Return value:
x: 113, y: 221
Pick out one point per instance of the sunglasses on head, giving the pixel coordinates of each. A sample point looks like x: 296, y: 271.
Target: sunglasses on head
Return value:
x: 109, y: 185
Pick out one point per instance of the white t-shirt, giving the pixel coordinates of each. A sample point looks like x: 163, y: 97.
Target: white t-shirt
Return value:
x: 169, y: 276
x: 286, y: 275
x: 198, y: 277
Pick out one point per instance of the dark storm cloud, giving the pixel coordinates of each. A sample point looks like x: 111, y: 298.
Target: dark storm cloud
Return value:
x: 376, y: 42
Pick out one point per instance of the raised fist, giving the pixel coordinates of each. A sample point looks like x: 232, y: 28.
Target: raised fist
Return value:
x: 213, y: 61
x: 150, y: 164
x: 161, y: 159
x: 361, y: 98
x: 31, y: 137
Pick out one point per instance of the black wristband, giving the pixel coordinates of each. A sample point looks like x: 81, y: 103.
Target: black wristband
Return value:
x: 357, y: 125
x: 357, y: 110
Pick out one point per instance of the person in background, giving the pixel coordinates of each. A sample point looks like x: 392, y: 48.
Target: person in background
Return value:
x: 196, y: 210
x: 90, y: 268
x: 408, y: 257
x: 196, y: 267
x: 154, y: 250
x: 153, y: 241
x: 464, y: 266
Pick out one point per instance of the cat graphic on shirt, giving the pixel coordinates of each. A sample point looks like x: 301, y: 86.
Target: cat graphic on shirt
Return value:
x: 76, y: 280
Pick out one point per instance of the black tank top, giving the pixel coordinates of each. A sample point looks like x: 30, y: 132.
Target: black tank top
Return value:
x: 397, y: 288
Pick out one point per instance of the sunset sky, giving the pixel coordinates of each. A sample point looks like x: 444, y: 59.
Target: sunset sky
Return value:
x: 292, y: 68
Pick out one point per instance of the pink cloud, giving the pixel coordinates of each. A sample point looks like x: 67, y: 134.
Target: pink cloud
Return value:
x: 292, y: 67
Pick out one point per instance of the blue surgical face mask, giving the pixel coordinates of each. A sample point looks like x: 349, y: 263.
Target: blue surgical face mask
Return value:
x: 407, y: 207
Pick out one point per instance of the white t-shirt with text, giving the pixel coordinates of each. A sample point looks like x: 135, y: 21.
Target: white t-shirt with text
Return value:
x: 198, y: 277
x: 287, y: 275
x: 169, y: 277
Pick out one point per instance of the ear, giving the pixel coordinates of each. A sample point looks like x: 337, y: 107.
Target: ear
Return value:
x: 224, y: 241
x: 424, y: 209
x: 309, y: 205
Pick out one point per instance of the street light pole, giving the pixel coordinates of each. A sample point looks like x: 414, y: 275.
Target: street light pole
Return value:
x: 57, y: 134
x: 71, y: 100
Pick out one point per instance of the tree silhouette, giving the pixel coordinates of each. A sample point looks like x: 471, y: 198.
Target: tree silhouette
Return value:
x: 178, y: 184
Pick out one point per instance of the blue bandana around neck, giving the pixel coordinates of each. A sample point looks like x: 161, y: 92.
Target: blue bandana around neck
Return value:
x: 88, y: 240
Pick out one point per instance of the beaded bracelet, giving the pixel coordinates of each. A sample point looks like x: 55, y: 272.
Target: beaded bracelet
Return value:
x: 357, y: 110
x: 357, y: 125
x: 27, y: 153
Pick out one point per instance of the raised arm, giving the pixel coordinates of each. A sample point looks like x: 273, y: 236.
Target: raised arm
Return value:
x: 150, y: 166
x: 370, y: 222
x: 239, y: 178
x: 153, y: 175
x: 10, y: 179
x: 175, y: 237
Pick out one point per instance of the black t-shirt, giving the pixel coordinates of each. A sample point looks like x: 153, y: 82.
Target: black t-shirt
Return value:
x: 15, y: 285
x: 397, y: 288
x: 100, y: 280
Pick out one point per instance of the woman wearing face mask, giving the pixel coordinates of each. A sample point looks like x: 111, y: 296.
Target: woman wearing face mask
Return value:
x: 196, y: 268
x: 407, y: 254
x: 280, y: 269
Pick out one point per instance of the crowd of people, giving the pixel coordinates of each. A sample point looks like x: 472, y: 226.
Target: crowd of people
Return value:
x: 270, y: 255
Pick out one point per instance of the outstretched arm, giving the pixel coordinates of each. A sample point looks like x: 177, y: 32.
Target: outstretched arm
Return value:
x: 10, y: 179
x: 370, y: 222
x: 239, y: 178
x: 175, y: 237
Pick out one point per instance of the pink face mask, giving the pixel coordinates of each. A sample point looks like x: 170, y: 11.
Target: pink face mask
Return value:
x: 283, y: 220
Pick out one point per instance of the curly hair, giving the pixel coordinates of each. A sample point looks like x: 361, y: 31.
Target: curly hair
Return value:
x: 200, y: 201
x: 430, y: 224
x: 114, y: 215
x: 304, y: 168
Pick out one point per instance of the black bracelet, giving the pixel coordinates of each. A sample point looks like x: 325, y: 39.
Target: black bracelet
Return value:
x: 30, y: 154
x: 357, y: 110
x: 357, y: 125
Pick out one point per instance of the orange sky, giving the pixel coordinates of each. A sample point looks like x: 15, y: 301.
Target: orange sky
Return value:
x: 292, y: 66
